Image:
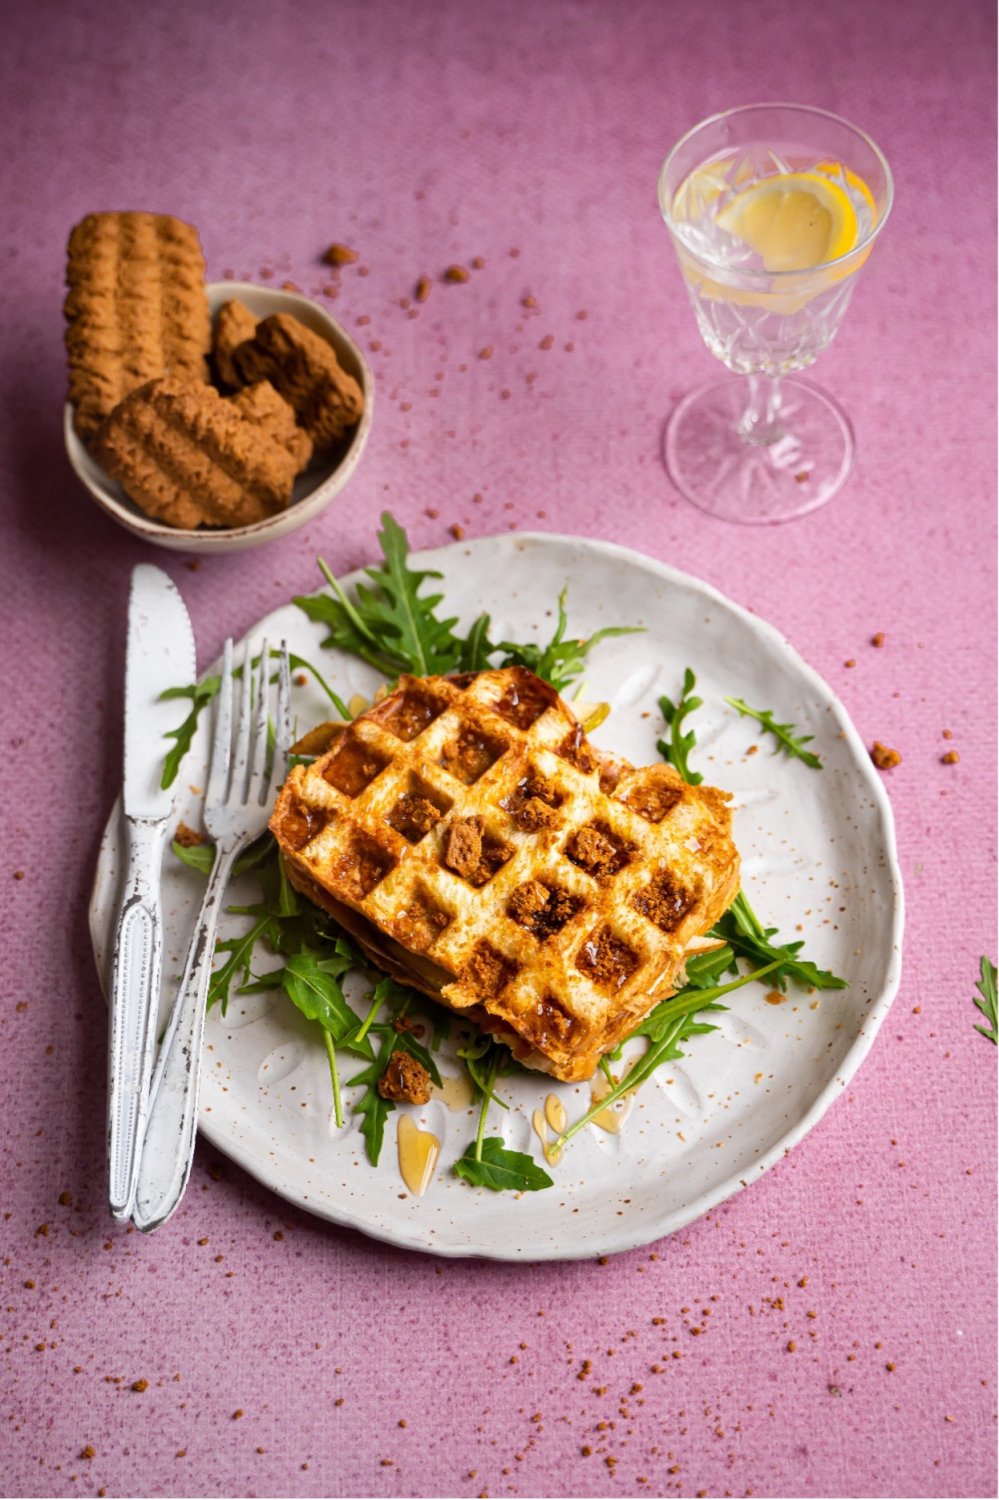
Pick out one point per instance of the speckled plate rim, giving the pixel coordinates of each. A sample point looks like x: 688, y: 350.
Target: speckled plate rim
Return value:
x: 648, y: 1231
x: 263, y: 300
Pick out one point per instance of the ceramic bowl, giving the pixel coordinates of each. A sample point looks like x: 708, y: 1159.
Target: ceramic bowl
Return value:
x: 314, y: 489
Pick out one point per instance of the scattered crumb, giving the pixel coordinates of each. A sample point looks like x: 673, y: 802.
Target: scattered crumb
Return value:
x: 456, y: 274
x: 883, y: 757
x: 140, y: 1385
x: 340, y: 255
x: 851, y: 663
x: 487, y: 352
x: 188, y: 838
x: 878, y: 639
x: 951, y: 758
x: 547, y: 341
x: 422, y: 291
x: 478, y: 264
x: 457, y: 531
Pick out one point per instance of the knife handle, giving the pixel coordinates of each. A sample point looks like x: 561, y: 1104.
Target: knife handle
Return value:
x: 172, y: 1120
x: 135, y: 989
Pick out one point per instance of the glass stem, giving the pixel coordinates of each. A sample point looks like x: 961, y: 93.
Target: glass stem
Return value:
x: 760, y: 422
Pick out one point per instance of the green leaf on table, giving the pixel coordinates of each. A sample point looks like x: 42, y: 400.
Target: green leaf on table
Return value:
x: 500, y: 1169
x: 791, y: 744
x: 986, y: 988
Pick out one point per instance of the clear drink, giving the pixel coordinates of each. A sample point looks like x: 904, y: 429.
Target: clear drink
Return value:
x: 773, y: 210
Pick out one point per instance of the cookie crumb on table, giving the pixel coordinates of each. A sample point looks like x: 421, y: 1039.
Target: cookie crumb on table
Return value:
x: 340, y: 255
x: 884, y: 757
x: 456, y: 274
x: 951, y: 758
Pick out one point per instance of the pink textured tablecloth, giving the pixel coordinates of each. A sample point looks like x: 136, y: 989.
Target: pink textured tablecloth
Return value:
x: 850, y: 1347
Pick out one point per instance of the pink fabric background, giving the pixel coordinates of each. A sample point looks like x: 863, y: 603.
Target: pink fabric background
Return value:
x: 424, y: 135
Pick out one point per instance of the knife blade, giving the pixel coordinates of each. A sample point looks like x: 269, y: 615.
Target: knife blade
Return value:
x: 160, y: 655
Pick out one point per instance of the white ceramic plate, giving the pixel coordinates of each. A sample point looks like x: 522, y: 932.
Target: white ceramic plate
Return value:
x: 818, y: 849
x: 314, y: 489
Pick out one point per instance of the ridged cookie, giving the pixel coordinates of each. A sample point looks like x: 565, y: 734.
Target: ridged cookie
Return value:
x: 234, y: 324
x: 261, y: 405
x: 136, y: 309
x: 189, y: 458
x: 306, y: 372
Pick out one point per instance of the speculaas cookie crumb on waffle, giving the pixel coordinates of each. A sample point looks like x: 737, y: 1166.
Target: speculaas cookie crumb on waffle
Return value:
x: 458, y: 829
x: 136, y: 309
x: 234, y: 324
x: 304, y: 369
x: 262, y: 405
x: 186, y: 456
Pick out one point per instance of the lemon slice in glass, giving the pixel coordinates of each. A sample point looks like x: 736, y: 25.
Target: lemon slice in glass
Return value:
x: 794, y: 221
x: 856, y: 185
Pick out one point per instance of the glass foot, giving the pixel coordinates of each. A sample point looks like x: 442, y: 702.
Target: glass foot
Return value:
x: 729, y: 475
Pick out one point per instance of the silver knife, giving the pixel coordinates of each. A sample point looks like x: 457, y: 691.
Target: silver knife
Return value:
x: 160, y: 656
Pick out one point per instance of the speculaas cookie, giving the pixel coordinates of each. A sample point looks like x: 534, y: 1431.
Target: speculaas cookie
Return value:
x: 186, y: 456
x: 136, y: 309
x: 234, y: 324
x: 261, y: 404
x: 304, y: 369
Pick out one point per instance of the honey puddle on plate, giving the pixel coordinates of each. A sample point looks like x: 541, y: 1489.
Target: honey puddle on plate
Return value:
x: 419, y: 1151
x: 612, y: 1118
x: 554, y: 1115
x: 455, y: 1091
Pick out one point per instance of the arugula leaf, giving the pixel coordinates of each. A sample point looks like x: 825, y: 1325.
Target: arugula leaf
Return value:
x: 679, y: 745
x: 791, y: 744
x: 986, y: 987
x: 745, y: 934
x: 391, y: 626
x: 372, y: 1107
x: 498, y: 1168
x: 315, y: 991
x: 668, y: 1024
x: 240, y: 951
x: 559, y: 662
x: 200, y: 694
x: 201, y: 857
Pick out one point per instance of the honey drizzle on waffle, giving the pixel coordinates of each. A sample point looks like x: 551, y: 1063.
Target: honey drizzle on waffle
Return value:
x: 576, y: 916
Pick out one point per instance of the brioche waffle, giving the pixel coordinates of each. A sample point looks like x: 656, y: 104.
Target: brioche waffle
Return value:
x: 469, y: 837
x: 187, y: 457
x: 306, y: 372
x: 136, y: 309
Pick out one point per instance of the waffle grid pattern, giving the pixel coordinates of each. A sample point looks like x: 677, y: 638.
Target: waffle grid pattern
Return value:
x: 575, y: 915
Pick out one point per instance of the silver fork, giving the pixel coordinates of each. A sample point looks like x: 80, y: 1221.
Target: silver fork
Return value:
x: 237, y: 805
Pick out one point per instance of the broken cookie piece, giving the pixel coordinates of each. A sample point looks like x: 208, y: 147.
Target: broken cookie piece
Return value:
x: 304, y: 369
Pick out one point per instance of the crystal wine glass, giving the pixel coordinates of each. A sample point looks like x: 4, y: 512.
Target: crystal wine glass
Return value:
x: 773, y: 210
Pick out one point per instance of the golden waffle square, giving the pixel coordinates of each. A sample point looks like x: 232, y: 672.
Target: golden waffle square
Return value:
x: 306, y: 372
x: 136, y: 309
x: 186, y: 456
x: 466, y: 833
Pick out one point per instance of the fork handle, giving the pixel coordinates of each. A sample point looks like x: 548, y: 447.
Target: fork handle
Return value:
x: 172, y: 1120
x: 135, y: 990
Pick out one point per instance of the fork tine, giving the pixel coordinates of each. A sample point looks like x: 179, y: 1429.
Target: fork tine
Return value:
x: 282, y: 737
x: 256, y: 784
x: 218, y: 775
x: 237, y: 787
